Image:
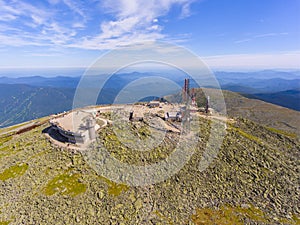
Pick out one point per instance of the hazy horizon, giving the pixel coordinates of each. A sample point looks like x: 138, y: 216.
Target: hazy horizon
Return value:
x: 79, y: 71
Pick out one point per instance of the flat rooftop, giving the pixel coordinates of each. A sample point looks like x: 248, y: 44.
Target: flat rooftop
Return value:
x: 73, y: 121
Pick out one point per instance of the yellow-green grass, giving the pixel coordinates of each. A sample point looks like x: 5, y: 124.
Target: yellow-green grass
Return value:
x: 282, y: 132
x: 115, y: 189
x: 236, y: 215
x: 65, y: 184
x: 13, y: 171
x: 247, y: 135
x: 4, y: 222
x: 4, y: 140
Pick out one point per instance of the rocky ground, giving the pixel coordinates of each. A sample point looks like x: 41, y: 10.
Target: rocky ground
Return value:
x: 253, y: 180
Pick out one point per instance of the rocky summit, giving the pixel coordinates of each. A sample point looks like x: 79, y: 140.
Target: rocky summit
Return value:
x: 253, y: 179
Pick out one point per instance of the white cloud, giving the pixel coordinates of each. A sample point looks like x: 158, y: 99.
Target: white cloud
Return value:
x: 7, y: 17
x: 243, y: 40
x: 270, y: 35
x: 38, y: 20
x: 261, y: 36
x: 186, y: 11
x: 133, y: 21
x: 6, y: 8
x: 73, y: 5
x: 35, y: 26
x: 146, y: 11
x: 79, y: 25
x: 20, y: 10
x: 111, y: 43
x: 76, y: 7
x: 114, y: 29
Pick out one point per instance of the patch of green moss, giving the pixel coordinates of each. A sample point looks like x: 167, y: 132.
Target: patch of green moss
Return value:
x: 228, y: 215
x: 252, y: 213
x: 235, y: 215
x: 13, y: 171
x: 3, y: 149
x: 144, y: 131
x: 247, y: 135
x: 3, y: 155
x: 115, y: 189
x: 8, y: 150
x: 28, y: 144
x: 292, y: 135
x: 295, y: 220
x: 4, y: 222
x: 17, y: 145
x: 39, y: 154
x: 65, y: 184
x: 5, y: 139
x: 207, y: 216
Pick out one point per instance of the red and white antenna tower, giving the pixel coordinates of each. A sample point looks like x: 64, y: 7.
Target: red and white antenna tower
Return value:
x: 193, y: 96
x: 186, y: 90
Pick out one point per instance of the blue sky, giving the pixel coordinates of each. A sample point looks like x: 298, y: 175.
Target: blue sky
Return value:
x: 226, y: 34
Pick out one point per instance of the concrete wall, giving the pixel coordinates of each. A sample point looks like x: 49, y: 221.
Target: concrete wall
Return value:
x: 72, y: 137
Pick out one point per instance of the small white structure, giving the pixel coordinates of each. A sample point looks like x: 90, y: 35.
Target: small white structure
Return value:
x: 173, y: 116
x: 153, y: 104
x: 76, y: 127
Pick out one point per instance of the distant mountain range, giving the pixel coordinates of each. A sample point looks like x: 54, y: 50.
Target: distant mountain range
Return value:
x: 27, y: 98
x: 263, y: 75
x: 259, y: 82
x: 39, y: 81
x: 289, y: 99
x: 280, y: 88
x: 21, y: 102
